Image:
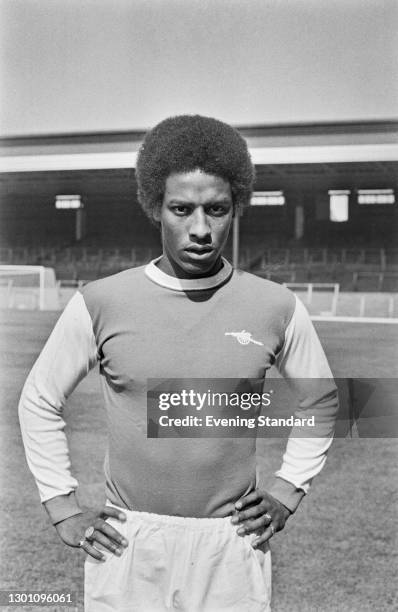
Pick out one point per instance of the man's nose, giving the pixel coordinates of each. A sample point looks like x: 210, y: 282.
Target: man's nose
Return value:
x: 199, y: 228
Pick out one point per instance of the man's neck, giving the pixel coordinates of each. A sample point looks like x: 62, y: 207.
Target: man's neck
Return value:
x: 172, y: 269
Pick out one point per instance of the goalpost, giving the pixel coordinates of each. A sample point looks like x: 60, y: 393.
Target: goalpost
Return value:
x: 320, y: 298
x: 28, y: 287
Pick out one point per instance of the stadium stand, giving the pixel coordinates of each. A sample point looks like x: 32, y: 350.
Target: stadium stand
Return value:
x: 354, y: 269
x: 357, y: 252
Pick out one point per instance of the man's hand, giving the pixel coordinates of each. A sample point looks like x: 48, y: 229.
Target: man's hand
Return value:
x: 259, y: 513
x: 72, y: 530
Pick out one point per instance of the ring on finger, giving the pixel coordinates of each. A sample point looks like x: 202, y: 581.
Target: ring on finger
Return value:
x: 88, y: 534
x: 268, y: 517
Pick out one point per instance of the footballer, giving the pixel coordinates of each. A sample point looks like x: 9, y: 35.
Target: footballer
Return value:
x: 187, y: 522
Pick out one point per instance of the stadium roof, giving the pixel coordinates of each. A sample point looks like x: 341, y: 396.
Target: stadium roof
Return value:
x: 375, y: 141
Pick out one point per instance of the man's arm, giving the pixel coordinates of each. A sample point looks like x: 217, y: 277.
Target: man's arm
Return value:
x: 68, y: 355
x: 303, y: 362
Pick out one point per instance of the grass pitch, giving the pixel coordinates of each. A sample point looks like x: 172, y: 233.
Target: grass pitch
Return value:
x: 337, y: 554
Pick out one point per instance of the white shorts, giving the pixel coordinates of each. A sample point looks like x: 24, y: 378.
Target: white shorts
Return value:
x: 177, y: 563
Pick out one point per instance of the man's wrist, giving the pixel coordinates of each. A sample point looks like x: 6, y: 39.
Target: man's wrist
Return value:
x: 62, y: 507
x: 286, y: 493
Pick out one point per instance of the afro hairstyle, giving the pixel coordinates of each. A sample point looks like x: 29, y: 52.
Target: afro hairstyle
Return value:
x: 190, y: 142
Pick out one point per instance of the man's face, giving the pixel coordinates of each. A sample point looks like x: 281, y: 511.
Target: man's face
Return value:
x: 195, y: 218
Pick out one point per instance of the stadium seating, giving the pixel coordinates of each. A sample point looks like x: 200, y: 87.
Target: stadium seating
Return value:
x: 355, y: 269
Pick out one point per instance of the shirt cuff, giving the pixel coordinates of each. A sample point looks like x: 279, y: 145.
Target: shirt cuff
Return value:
x: 62, y: 507
x: 286, y: 493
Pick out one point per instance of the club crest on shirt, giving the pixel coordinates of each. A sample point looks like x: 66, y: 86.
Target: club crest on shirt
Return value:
x: 243, y: 337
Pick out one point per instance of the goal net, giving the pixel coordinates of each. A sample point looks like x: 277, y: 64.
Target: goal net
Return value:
x: 321, y: 299
x: 28, y: 287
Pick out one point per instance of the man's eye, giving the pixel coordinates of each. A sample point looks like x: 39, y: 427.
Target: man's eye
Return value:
x: 180, y: 210
x: 218, y: 210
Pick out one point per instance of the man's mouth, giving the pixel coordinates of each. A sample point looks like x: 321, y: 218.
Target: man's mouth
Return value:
x: 199, y: 252
x: 199, y: 249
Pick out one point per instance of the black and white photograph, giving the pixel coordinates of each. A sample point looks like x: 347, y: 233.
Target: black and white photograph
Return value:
x: 198, y: 305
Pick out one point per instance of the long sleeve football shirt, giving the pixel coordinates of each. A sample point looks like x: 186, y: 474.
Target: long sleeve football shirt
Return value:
x: 143, y: 324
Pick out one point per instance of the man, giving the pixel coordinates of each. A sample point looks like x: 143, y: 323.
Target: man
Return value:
x: 186, y: 525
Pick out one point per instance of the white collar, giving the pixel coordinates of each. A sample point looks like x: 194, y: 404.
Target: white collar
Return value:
x: 187, y: 284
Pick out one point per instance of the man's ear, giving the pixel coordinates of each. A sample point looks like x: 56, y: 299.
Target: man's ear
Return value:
x: 156, y: 212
